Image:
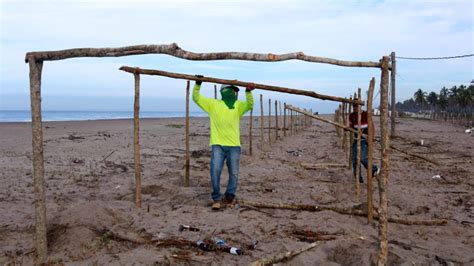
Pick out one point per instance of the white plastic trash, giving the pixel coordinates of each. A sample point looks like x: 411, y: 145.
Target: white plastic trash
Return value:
x: 436, y: 177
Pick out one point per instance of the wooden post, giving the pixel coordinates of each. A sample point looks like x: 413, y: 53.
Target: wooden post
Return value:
x: 393, y: 78
x: 187, y: 162
x: 41, y: 244
x: 291, y: 122
x: 269, y: 121
x: 359, y: 139
x: 370, y: 151
x: 215, y: 91
x: 261, y: 121
x: 280, y: 117
x: 284, y: 119
x: 276, y: 120
x: 351, y: 141
x: 136, y: 142
x: 250, y: 132
x: 383, y: 180
x: 343, y: 118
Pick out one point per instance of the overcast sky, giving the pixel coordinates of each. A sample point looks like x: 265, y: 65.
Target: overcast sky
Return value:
x: 347, y: 30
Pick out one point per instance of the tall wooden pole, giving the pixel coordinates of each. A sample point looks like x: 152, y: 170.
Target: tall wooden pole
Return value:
x: 269, y: 121
x: 261, y: 121
x: 359, y: 140
x: 291, y: 122
x: 41, y: 243
x: 370, y: 152
x: 383, y: 180
x: 215, y: 91
x: 136, y: 142
x: 187, y: 163
x: 351, y: 141
x: 250, y: 132
x: 284, y: 119
x: 393, y: 78
x: 276, y: 120
x: 280, y: 117
x: 343, y: 121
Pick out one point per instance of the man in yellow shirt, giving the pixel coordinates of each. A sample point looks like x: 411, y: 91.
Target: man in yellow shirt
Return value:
x: 225, y: 117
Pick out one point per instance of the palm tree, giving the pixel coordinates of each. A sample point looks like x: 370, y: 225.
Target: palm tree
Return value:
x: 432, y: 99
x: 420, y: 97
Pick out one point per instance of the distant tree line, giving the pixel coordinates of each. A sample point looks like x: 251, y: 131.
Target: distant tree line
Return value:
x: 457, y: 99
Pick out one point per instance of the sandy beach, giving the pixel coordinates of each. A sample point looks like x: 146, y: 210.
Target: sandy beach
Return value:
x: 91, y: 217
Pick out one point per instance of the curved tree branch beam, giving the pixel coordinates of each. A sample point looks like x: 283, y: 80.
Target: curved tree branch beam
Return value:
x: 174, y: 50
x: 312, y: 94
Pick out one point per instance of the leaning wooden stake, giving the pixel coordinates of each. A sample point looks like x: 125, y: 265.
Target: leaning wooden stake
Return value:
x: 41, y: 244
x: 284, y: 256
x: 370, y: 151
x: 276, y: 120
x: 187, y: 163
x: 136, y: 142
x: 359, y: 140
x: 250, y: 132
x: 261, y: 121
x: 383, y: 180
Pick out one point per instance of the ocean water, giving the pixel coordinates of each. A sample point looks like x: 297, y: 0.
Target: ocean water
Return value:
x: 25, y: 116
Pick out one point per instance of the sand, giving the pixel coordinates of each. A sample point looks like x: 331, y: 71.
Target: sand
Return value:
x: 91, y: 218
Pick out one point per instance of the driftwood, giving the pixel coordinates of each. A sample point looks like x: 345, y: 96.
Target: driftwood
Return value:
x: 393, y: 74
x: 414, y: 155
x: 284, y: 256
x: 261, y: 122
x: 174, y: 50
x: 340, y: 210
x: 312, y: 166
x: 236, y: 83
x: 359, y: 147
x: 187, y: 158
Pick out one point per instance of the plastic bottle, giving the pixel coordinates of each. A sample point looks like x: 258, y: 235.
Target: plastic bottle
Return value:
x: 201, y: 245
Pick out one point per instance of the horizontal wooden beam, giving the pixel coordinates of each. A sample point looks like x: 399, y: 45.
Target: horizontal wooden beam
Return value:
x: 174, y: 50
x: 312, y: 94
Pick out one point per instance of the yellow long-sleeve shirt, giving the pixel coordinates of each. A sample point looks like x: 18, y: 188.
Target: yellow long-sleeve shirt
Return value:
x: 225, y: 122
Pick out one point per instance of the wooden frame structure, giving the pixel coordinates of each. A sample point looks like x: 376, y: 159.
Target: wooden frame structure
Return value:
x: 36, y: 59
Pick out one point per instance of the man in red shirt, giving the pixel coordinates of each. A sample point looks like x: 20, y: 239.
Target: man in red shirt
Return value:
x: 353, y: 123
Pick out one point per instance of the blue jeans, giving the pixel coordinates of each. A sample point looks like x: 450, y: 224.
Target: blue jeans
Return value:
x: 231, y: 154
x: 363, y: 157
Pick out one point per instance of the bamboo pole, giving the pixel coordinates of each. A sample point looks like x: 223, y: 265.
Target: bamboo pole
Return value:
x: 393, y: 105
x: 136, y: 142
x: 269, y: 121
x: 284, y: 119
x: 235, y: 83
x: 250, y: 132
x: 41, y: 242
x: 174, y: 50
x: 187, y: 162
x: 370, y: 151
x: 215, y: 91
x: 383, y: 180
x: 276, y: 120
x: 261, y: 121
x: 359, y: 140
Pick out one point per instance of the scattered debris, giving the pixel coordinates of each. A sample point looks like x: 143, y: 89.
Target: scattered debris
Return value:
x: 78, y: 161
x: 296, y: 152
x: 183, y: 227
x: 436, y: 177
x: 72, y: 137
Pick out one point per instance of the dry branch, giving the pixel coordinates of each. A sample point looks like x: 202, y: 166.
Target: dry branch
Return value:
x: 284, y: 256
x: 236, y: 83
x: 174, y: 50
x: 340, y: 210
